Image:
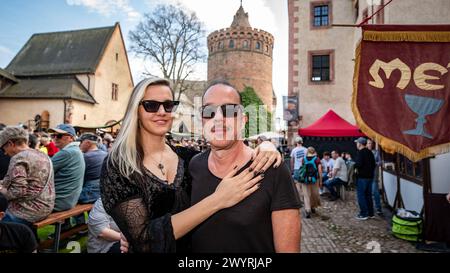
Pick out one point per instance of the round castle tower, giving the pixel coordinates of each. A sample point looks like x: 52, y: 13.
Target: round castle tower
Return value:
x: 242, y: 55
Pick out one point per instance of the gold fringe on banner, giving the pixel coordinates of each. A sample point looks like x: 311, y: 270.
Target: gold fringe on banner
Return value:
x: 407, y: 36
x: 388, y: 145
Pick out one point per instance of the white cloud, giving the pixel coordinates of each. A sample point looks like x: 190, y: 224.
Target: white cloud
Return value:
x: 5, y: 50
x: 108, y: 7
x: 217, y: 14
x: 6, y: 56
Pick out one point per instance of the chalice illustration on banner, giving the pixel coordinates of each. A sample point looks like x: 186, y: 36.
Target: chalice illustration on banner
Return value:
x: 422, y: 106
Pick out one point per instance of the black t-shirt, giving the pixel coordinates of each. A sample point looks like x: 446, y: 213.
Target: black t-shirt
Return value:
x: 247, y: 226
x: 365, y: 164
x: 16, y: 238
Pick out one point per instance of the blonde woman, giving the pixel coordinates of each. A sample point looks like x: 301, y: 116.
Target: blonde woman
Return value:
x: 145, y: 184
x: 311, y: 181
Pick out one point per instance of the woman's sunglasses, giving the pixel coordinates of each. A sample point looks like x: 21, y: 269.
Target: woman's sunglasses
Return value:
x: 228, y: 110
x: 152, y: 106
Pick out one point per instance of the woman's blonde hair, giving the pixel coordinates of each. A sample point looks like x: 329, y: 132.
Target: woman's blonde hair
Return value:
x: 311, y: 151
x: 126, y: 153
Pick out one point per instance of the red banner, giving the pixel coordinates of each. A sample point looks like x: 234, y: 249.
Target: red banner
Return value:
x: 401, y: 90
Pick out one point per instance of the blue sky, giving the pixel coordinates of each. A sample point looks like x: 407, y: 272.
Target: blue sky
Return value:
x: 20, y: 19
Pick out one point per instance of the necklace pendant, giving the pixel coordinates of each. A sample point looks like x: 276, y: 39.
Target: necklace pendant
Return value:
x: 161, y: 168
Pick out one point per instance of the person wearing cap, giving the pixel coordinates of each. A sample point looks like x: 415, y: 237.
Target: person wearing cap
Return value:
x: 93, y: 159
x: 14, y: 237
x: 296, y: 160
x: 28, y: 185
x: 68, y: 166
x: 365, y: 166
x: 4, y: 159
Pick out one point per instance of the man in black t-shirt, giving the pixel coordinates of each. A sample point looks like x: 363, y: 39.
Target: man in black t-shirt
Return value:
x: 14, y: 237
x: 266, y: 221
x: 365, y: 166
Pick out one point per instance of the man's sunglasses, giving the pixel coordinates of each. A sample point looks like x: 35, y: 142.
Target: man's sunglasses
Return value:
x: 228, y: 110
x: 59, y: 136
x: 152, y: 106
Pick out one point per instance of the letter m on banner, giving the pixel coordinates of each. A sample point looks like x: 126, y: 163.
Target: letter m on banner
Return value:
x: 401, y: 88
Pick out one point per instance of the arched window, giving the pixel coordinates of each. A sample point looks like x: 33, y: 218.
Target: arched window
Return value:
x: 258, y: 45
x: 220, y: 45
x: 231, y: 44
x: 245, y: 44
x: 267, y: 48
x: 212, y: 49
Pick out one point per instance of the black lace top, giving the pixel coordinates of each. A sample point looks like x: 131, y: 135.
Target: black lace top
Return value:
x: 142, y: 206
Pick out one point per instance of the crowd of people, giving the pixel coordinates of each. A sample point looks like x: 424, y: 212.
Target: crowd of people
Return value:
x: 153, y: 193
x: 45, y: 172
x: 315, y: 176
x: 198, y: 145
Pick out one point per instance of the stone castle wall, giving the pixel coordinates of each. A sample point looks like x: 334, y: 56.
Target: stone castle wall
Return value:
x: 243, y: 56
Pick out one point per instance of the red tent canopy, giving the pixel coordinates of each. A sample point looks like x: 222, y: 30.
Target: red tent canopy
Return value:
x: 331, y: 125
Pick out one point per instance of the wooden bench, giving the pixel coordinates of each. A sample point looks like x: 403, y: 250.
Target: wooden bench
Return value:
x: 57, y: 219
x: 341, y: 189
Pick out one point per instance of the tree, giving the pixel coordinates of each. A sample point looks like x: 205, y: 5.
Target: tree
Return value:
x: 174, y: 40
x: 259, y: 120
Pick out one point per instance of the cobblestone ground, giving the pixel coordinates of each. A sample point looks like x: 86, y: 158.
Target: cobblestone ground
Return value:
x: 334, y: 229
